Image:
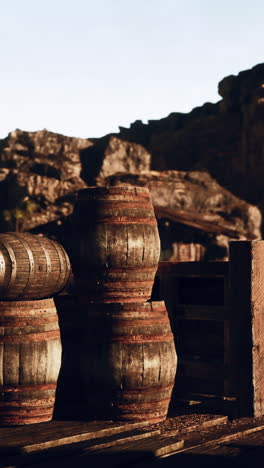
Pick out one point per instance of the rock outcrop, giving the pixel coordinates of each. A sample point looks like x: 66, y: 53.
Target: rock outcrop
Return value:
x: 110, y: 155
x: 226, y: 139
x: 41, y: 173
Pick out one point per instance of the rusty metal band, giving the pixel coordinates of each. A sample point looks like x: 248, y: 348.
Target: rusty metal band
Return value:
x: 113, y: 297
x: 139, y: 314
x: 124, y: 204
x: 123, y: 312
x: 28, y: 388
x: 120, y: 220
x: 128, y: 322
x: 29, y: 305
x: 31, y: 263
x: 13, y: 311
x: 33, y: 402
x: 164, y: 338
x: 138, y: 406
x: 17, y: 321
x: 137, y: 322
x: 148, y: 418
x: 32, y: 337
x: 13, y: 264
x: 112, y: 284
x: 15, y: 421
x: 18, y: 412
x: 145, y: 390
x: 104, y: 195
x: 121, y: 269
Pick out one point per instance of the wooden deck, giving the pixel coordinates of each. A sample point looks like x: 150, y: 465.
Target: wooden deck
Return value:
x: 187, y: 438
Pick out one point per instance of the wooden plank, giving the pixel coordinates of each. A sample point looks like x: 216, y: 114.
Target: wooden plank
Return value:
x: 120, y: 440
x: 223, y: 439
x: 247, y: 325
x: 155, y: 446
x: 198, y: 220
x: 62, y: 453
x: 41, y: 436
x: 118, y: 455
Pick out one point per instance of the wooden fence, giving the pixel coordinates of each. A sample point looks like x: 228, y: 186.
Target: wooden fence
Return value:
x: 217, y: 316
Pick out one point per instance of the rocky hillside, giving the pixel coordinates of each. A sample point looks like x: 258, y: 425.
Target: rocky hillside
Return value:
x: 226, y: 139
x: 213, y: 148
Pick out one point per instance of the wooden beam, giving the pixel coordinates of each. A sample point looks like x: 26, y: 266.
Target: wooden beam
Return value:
x: 247, y: 325
x: 199, y: 221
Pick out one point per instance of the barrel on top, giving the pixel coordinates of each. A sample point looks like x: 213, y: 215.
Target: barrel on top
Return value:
x: 31, y: 266
x: 128, y: 361
x: 117, y: 248
x: 30, y: 358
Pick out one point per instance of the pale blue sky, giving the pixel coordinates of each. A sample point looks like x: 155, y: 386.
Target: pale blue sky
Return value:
x: 83, y: 67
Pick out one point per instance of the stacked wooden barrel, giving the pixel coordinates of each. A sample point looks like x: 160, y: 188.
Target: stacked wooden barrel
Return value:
x: 128, y: 358
x: 32, y: 269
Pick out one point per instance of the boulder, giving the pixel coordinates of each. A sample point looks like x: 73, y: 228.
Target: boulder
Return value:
x: 110, y: 155
x: 39, y: 177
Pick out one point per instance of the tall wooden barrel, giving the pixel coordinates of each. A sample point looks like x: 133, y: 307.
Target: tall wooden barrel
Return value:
x: 31, y: 266
x: 117, y: 246
x: 30, y: 351
x: 128, y: 361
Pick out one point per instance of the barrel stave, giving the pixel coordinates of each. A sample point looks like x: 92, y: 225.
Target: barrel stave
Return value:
x: 10, y: 364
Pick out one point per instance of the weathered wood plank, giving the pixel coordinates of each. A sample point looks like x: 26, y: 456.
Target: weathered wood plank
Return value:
x: 64, y: 453
x: 223, y: 439
x: 247, y: 325
x: 155, y: 446
x: 55, y: 433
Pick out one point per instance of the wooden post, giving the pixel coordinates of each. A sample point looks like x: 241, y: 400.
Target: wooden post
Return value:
x: 247, y: 325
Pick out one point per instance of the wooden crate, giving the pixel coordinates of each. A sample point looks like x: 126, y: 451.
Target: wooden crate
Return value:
x: 217, y: 316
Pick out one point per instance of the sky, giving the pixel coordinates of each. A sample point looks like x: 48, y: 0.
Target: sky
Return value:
x: 84, y: 67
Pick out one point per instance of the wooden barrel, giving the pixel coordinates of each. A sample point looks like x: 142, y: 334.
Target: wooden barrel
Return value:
x: 128, y: 361
x: 30, y: 350
x: 31, y: 266
x: 117, y: 245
